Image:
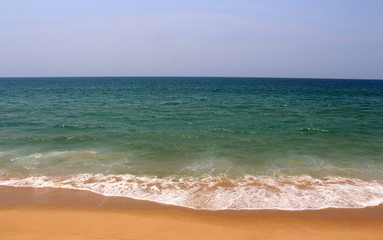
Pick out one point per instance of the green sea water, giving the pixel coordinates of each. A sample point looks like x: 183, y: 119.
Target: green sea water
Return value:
x: 252, y: 143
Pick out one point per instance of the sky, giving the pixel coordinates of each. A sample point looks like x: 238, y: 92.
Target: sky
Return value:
x: 242, y: 38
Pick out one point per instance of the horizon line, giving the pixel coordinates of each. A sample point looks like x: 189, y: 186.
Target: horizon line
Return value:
x: 116, y: 76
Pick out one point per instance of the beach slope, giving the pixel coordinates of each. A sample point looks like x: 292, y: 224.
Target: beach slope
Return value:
x: 42, y: 214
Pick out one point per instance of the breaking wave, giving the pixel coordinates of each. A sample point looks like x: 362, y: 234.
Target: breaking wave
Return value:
x: 220, y: 193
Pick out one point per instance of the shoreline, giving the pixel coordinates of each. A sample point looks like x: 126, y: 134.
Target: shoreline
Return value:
x: 29, y: 196
x: 40, y: 213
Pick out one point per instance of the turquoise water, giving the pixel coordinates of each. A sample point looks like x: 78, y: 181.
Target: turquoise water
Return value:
x: 206, y: 143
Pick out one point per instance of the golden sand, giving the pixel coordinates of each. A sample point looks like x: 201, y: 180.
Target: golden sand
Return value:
x: 42, y: 217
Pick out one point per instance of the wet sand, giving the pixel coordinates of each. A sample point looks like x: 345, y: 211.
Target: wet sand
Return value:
x: 40, y: 213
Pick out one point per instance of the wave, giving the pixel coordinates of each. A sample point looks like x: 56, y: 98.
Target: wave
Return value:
x: 79, y: 126
x: 220, y: 193
x: 58, y: 139
x: 312, y: 130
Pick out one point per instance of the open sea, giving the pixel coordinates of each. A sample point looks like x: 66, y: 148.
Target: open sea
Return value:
x: 202, y: 143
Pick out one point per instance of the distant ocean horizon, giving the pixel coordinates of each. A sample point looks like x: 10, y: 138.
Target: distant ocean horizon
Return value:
x: 210, y: 143
x: 188, y: 77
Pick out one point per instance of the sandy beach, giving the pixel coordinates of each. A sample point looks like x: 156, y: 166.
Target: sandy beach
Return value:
x: 38, y: 213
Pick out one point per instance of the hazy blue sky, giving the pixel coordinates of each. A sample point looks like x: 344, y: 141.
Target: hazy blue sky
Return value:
x: 291, y: 38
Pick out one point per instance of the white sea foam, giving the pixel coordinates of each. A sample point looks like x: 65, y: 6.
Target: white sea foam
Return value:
x: 63, y: 154
x: 215, y: 193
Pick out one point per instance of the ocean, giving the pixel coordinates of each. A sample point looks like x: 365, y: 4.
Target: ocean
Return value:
x: 201, y: 143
